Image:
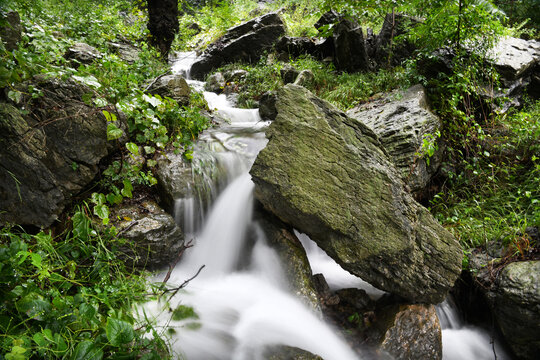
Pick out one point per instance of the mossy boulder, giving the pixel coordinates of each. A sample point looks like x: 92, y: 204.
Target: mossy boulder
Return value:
x: 327, y: 175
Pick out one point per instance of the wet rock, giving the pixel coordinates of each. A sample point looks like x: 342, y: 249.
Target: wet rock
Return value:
x: 50, y: 154
x: 245, y: 42
x: 402, y: 120
x: 350, y: 52
x: 175, y: 179
x: 126, y: 52
x: 292, y: 256
x: 288, y: 353
x: 326, y: 175
x: 296, y: 46
x: 173, y: 86
x: 83, y: 53
x: 387, y: 50
x: 11, y: 31
x: 410, y: 332
x: 305, y: 77
x: 515, y: 302
x: 267, y: 106
x: 215, y: 83
x: 235, y: 75
x: 154, y: 239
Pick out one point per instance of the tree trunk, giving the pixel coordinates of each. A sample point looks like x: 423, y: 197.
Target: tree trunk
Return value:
x: 162, y: 23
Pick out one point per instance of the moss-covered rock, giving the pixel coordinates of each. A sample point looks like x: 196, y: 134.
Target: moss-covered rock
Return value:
x: 327, y: 176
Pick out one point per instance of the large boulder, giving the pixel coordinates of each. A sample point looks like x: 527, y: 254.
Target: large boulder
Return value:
x: 10, y: 30
x: 296, y: 46
x: 154, y: 239
x: 350, y: 52
x: 245, y: 42
x: 50, y: 154
x: 402, y: 120
x: 327, y: 175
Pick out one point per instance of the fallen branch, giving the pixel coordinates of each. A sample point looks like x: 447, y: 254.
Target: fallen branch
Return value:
x: 173, y: 264
x: 184, y: 283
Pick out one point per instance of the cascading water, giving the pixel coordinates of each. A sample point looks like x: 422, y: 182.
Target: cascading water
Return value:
x: 242, y: 307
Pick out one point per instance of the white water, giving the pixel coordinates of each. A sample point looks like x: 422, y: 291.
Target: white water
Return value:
x: 243, y: 307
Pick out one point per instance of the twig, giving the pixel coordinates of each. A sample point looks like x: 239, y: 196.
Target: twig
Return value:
x: 173, y: 264
x: 184, y: 283
x: 156, y: 79
x: 131, y: 224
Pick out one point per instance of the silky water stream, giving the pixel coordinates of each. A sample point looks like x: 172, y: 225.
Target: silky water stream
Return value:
x: 241, y: 299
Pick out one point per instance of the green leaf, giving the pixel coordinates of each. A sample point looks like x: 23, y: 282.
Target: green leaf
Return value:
x: 17, y: 353
x: 33, y: 305
x: 36, y: 260
x: 86, y: 350
x: 152, y: 100
x: 119, y: 332
x: 114, y: 198
x: 133, y: 148
x: 113, y: 132
x: 128, y: 188
x: 15, y: 96
x: 88, y: 80
x: 98, y: 198
x: 102, y: 212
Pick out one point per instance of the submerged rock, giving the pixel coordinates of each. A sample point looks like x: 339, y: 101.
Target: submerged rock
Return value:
x: 402, y: 120
x: 154, y: 238
x: 245, y: 42
x: 327, y: 175
x: 50, y: 154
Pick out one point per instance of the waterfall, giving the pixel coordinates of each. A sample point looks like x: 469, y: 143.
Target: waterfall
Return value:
x: 241, y: 302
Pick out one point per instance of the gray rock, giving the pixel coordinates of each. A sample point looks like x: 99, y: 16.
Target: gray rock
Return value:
x: 11, y: 31
x: 235, y: 75
x: 402, y: 120
x: 288, y: 353
x: 515, y: 303
x: 83, y: 53
x: 411, y: 332
x: 50, y: 154
x: 330, y: 17
x: 173, y: 86
x: 215, y: 83
x: 296, y: 46
x: 175, y: 179
x: 514, y: 57
x: 126, y: 52
x: 154, y: 238
x: 245, y: 42
x: 326, y: 175
x: 350, y: 52
x: 305, y: 77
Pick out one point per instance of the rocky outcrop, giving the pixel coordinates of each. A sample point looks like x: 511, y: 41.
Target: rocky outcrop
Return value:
x: 82, y: 53
x: 350, y: 52
x: 296, y: 46
x: 245, y: 42
x: 410, y: 332
x: 50, y: 154
x: 11, y: 30
x: 175, y: 179
x: 215, y: 83
x: 402, y: 121
x: 327, y: 175
x: 267, y: 106
x: 515, y: 57
x: 154, y: 239
x: 173, y: 86
x: 126, y: 52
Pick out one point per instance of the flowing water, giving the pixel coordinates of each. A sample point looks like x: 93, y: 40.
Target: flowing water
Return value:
x: 241, y: 300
